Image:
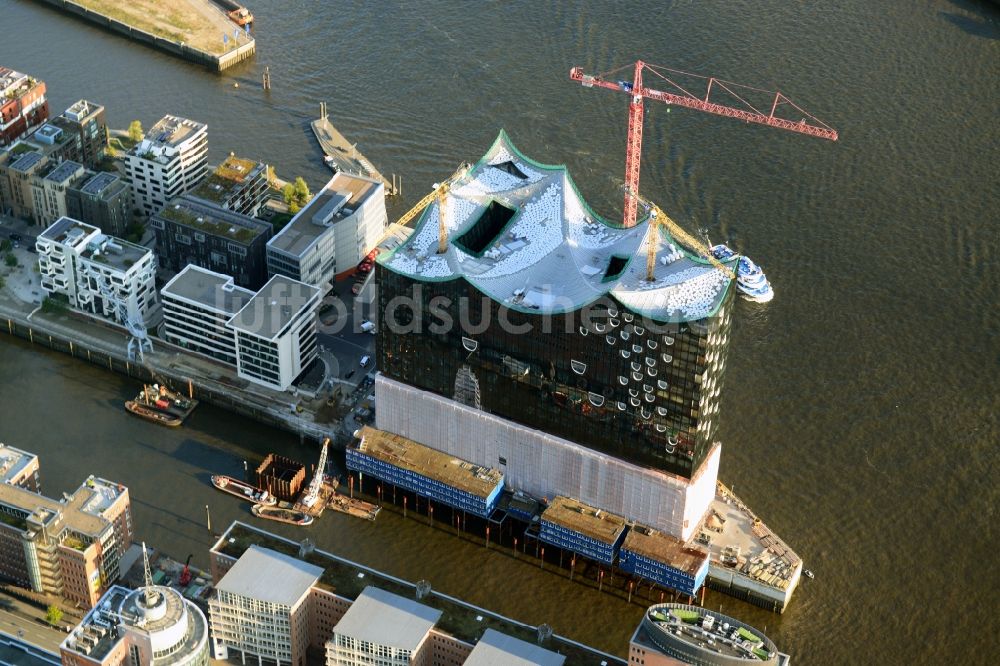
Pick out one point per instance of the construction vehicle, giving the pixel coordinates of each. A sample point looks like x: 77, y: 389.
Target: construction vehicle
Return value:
x: 439, y: 194
x: 681, y: 95
x: 185, y: 578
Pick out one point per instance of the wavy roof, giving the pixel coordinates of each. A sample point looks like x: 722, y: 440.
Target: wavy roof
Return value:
x: 554, y: 255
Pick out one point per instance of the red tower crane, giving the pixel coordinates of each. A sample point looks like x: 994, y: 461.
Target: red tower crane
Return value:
x: 680, y: 95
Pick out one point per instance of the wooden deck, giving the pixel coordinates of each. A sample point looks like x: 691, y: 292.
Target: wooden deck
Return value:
x: 345, y: 157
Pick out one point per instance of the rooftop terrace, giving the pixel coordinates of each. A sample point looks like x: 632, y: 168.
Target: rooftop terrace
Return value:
x: 223, y: 183
x: 349, y: 579
x: 14, y: 83
x: 337, y: 201
x: 579, y: 517
x: 207, y: 288
x: 407, y: 454
x: 115, y: 252
x: 66, y: 230
x: 664, y: 548
x: 213, y: 220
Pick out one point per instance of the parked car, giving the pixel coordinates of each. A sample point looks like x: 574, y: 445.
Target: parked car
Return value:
x: 365, y: 360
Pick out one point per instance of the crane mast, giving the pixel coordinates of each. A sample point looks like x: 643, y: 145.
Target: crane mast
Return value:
x: 681, y: 96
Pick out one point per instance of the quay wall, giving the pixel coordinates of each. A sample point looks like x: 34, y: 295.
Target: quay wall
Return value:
x: 219, y: 395
x: 210, y: 60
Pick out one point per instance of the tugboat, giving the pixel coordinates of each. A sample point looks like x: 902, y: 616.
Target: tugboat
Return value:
x: 750, y: 279
x: 244, y: 491
x: 282, y: 515
x: 142, y: 411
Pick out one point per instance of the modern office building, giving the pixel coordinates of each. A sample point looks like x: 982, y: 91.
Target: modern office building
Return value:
x: 19, y: 468
x: 276, y: 332
x: 332, y: 233
x: 86, y: 120
x: 49, y: 190
x: 679, y: 634
x: 70, y: 547
x: 189, y: 230
x: 587, y: 378
x: 269, y: 335
x: 237, y: 184
x: 100, y: 199
x: 95, y: 272
x: 152, y: 626
x: 197, y: 307
x: 357, y: 615
x: 383, y: 628
x: 22, y: 105
x: 171, y: 160
x: 261, y: 608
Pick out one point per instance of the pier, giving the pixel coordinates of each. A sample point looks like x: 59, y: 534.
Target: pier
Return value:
x: 196, y: 30
x: 342, y: 155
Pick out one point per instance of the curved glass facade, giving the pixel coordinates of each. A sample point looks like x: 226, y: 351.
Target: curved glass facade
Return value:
x: 602, y: 376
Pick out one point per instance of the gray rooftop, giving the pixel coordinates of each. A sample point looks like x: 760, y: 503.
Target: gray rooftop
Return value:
x: 207, y: 288
x: 273, y: 307
x: 80, y: 110
x: 337, y: 201
x: 269, y: 576
x: 172, y: 130
x: 385, y: 618
x: 64, y: 171
x: 62, y: 229
x: 96, y: 184
x: 26, y: 161
x: 497, y: 649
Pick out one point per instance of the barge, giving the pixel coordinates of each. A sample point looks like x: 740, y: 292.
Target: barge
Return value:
x: 282, y: 515
x: 156, y: 416
x: 243, y: 490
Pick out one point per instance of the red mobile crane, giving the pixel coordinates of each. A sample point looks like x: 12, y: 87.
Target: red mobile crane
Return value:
x: 681, y: 96
x: 185, y: 576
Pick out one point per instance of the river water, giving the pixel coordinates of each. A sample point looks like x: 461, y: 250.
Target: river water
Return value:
x: 860, y: 410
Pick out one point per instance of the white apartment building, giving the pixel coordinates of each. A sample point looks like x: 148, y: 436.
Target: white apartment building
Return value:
x: 79, y: 262
x: 269, y: 336
x: 261, y: 608
x: 385, y: 629
x: 197, y: 306
x: 276, y: 332
x: 332, y: 233
x: 171, y: 160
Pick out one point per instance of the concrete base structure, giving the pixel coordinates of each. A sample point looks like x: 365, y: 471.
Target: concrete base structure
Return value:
x: 543, y: 465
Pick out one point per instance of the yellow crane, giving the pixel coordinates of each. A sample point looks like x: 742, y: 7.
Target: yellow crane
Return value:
x: 439, y: 193
x: 658, y: 217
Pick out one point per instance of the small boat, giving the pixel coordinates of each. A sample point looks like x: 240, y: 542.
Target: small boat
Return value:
x: 808, y: 574
x: 290, y: 516
x: 153, y: 415
x: 244, y: 491
x: 750, y: 279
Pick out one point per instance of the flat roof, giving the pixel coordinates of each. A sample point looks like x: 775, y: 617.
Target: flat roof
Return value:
x: 81, y: 109
x: 64, y: 171
x: 114, y: 252
x: 497, y: 649
x: 664, y: 548
x: 214, y: 220
x: 44, y: 508
x: 407, y: 454
x: 267, y: 575
x: 26, y: 161
x: 95, y: 184
x: 13, y: 461
x: 209, y: 289
x: 338, y: 200
x: 171, y: 131
x: 59, y: 230
x: 272, y: 308
x: 585, y: 519
x: 384, y: 618
x: 227, y: 179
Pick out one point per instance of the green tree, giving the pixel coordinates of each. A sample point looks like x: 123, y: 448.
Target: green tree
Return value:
x: 288, y: 193
x: 301, y: 191
x: 10, y: 259
x: 3, y: 283
x: 53, y: 614
x: 135, y: 131
x: 5, y: 245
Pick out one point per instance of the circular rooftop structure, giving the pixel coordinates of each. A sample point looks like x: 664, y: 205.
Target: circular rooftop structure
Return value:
x: 697, y: 635
x: 175, y: 628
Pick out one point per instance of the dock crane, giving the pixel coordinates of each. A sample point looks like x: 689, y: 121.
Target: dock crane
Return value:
x: 139, y: 341
x: 656, y: 218
x: 681, y: 96
x: 312, y: 492
x: 439, y: 194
